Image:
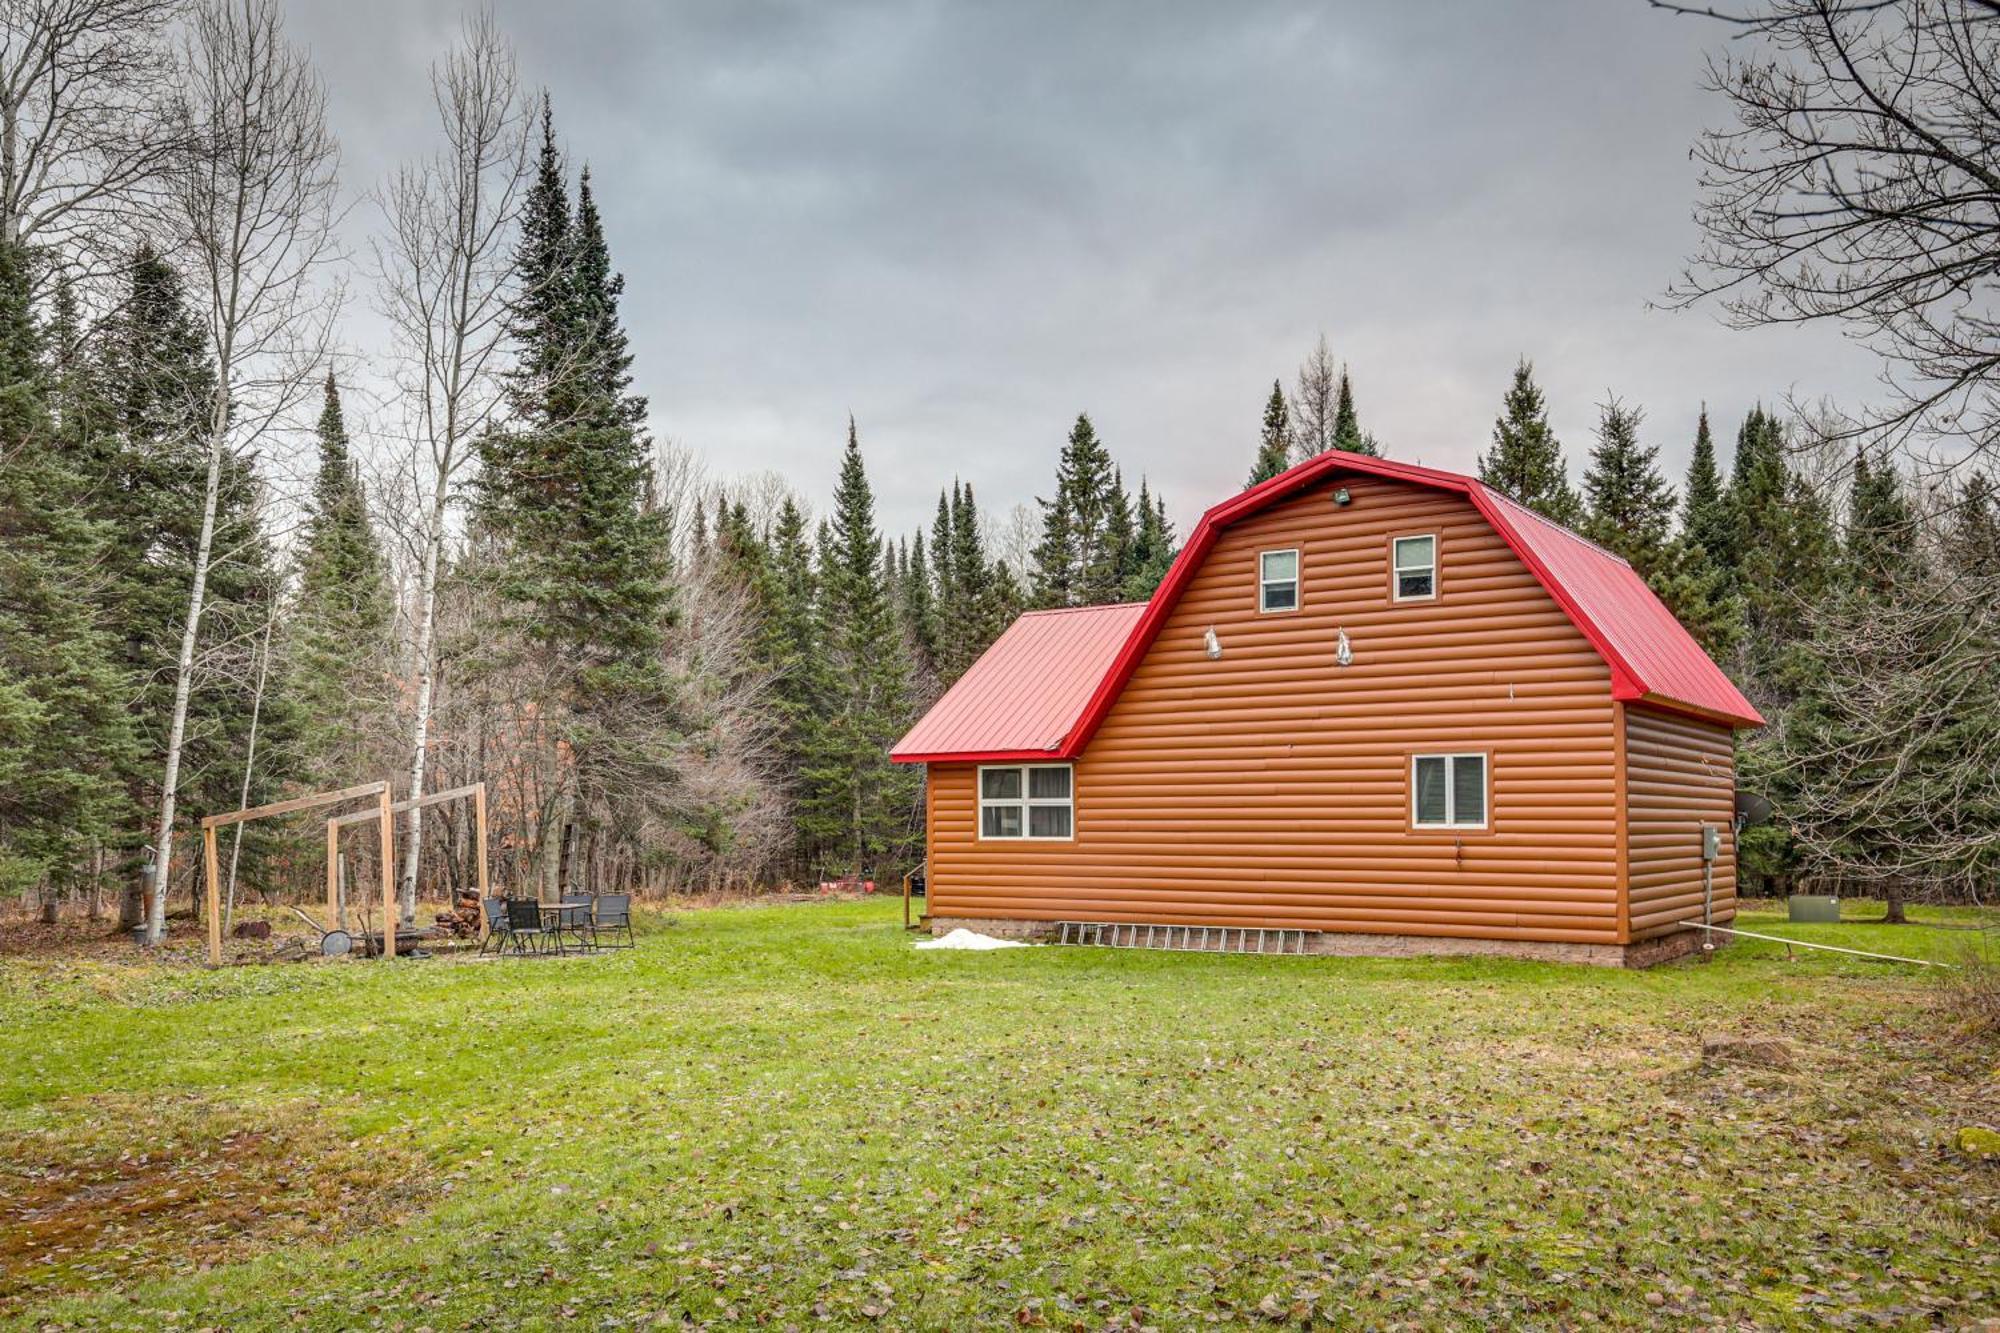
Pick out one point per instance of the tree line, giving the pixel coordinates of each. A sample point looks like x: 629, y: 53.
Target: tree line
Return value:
x: 220, y: 586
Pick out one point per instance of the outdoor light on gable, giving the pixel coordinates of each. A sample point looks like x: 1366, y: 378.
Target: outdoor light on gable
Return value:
x: 1214, y: 644
x: 1343, y: 651
x: 1342, y: 498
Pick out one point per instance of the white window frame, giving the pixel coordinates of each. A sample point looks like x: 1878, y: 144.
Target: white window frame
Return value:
x: 1451, y: 820
x: 1397, y: 569
x: 1024, y: 803
x: 1297, y: 580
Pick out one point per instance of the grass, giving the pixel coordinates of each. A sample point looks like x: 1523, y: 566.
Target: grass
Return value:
x: 786, y: 1117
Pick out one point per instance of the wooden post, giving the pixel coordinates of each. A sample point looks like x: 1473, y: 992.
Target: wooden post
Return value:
x: 214, y: 896
x: 388, y: 822
x: 479, y: 839
x: 333, y: 921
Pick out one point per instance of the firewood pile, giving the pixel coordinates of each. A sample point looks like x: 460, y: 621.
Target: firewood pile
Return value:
x: 463, y: 920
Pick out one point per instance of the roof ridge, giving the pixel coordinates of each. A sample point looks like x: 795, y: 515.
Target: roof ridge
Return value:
x: 1540, y: 517
x: 1070, y: 610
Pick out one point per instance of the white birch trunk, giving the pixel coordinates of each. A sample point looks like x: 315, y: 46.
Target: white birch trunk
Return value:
x: 420, y: 728
x: 163, y: 831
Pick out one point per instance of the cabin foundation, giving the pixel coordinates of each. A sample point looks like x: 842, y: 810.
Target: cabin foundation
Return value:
x: 1348, y: 944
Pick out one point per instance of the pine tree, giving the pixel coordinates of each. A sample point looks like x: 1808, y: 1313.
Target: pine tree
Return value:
x: 1630, y: 505
x: 340, y: 627
x: 857, y: 804
x: 1274, y: 448
x: 1704, y: 504
x: 65, y: 742
x: 1346, y: 424
x: 1526, y: 462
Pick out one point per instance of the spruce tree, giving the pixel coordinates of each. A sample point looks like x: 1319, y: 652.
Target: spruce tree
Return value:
x: 1631, y: 506
x: 1526, y: 461
x: 1274, y: 447
x: 1071, y: 565
x: 856, y: 804
x: 66, y: 743
x: 1346, y: 424
x: 1105, y: 581
x: 1704, y: 504
x: 140, y: 407
x: 1881, y: 525
x: 791, y: 650
x: 1152, y: 548
x: 581, y: 569
x: 1975, y: 526
x: 340, y: 629
x: 1758, y: 481
x: 920, y: 609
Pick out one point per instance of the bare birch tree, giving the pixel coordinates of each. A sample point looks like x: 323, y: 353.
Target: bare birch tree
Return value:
x: 83, y: 137
x: 445, y: 272
x: 252, y: 196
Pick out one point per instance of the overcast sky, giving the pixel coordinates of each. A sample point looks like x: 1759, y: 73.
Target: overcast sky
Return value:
x: 965, y: 223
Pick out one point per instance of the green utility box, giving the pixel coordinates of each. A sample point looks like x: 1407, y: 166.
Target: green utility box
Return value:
x: 1813, y: 907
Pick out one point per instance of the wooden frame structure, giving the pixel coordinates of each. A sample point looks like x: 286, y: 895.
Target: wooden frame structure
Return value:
x: 334, y: 823
x: 381, y: 813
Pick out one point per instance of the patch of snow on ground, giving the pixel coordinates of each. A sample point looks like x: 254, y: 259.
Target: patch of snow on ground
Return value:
x: 971, y: 939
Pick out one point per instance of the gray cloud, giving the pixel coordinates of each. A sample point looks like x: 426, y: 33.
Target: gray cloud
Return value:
x: 967, y: 222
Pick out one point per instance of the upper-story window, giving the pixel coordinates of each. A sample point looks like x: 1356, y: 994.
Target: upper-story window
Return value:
x: 1413, y: 568
x: 1278, y: 581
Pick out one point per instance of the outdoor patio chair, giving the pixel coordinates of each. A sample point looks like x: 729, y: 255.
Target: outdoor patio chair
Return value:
x: 495, y: 910
x: 571, y: 928
x: 611, y: 915
x: 524, y: 926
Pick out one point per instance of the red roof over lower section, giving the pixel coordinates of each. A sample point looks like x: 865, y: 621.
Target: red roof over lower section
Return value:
x: 1042, y: 688
x: 1022, y: 698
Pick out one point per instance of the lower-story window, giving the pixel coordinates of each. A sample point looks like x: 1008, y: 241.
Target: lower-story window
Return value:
x: 1448, y: 791
x: 1026, y: 801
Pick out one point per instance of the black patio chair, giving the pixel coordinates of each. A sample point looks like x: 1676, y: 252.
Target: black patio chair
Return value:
x: 611, y: 914
x: 495, y: 910
x: 524, y: 926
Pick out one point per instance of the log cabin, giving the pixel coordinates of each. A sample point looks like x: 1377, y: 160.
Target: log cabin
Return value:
x: 1378, y: 705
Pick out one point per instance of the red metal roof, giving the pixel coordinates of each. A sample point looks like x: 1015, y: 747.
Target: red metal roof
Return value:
x: 1044, y: 686
x: 1022, y: 698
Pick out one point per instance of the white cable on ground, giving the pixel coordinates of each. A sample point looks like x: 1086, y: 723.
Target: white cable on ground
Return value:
x: 1830, y: 948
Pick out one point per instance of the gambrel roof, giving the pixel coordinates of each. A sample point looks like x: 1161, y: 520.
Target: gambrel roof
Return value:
x: 1044, y: 686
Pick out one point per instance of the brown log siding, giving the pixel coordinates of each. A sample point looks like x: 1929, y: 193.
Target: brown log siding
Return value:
x: 1271, y: 787
x: 1680, y: 774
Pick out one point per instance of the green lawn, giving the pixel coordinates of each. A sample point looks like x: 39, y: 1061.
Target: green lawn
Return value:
x: 787, y: 1117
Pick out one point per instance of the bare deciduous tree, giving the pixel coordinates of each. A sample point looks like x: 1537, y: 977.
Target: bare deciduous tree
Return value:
x: 252, y: 198
x: 1314, y: 401
x: 445, y: 271
x: 83, y: 87
x: 1859, y: 186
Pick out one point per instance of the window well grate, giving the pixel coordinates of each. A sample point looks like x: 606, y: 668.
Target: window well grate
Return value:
x: 1185, y: 939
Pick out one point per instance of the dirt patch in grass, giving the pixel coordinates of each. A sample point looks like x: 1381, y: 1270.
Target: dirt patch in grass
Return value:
x: 119, y: 1188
